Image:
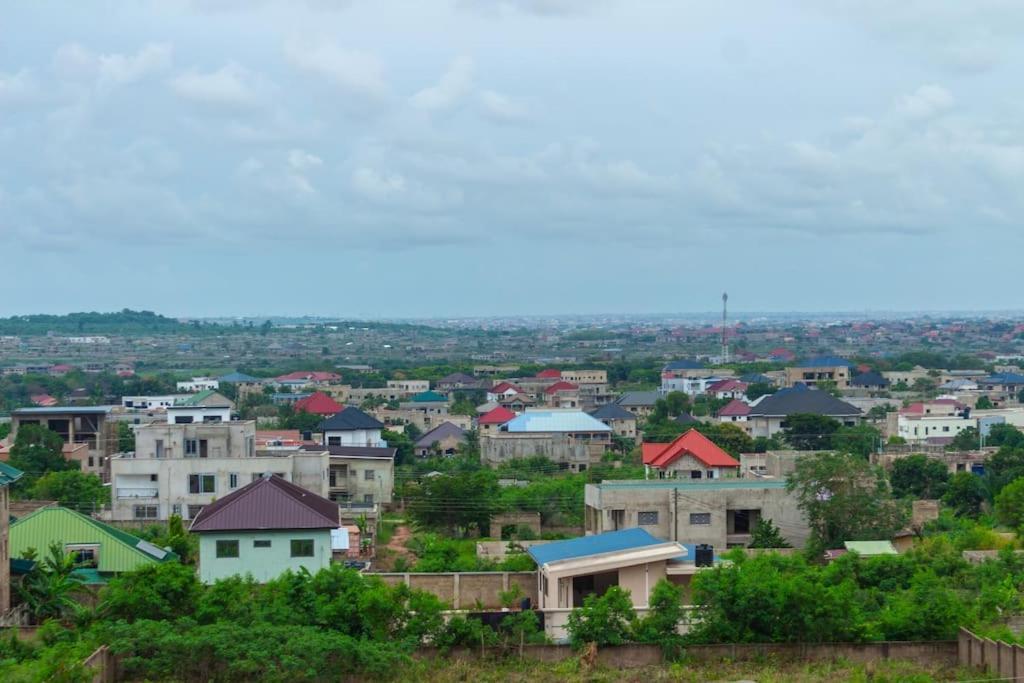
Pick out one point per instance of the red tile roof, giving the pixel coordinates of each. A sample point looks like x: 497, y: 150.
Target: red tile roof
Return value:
x: 270, y: 502
x: 550, y: 373
x: 498, y: 416
x: 44, y: 400
x: 691, y: 443
x: 727, y: 385
x: 318, y: 403
x: 733, y: 408
x: 561, y: 386
x: 315, y: 376
x: 503, y: 387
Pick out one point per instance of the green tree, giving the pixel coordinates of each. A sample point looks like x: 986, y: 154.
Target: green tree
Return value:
x: 401, y: 442
x: 37, y: 451
x: 463, y: 407
x: 759, y: 389
x: 729, y: 437
x: 1002, y: 467
x: 72, y: 489
x: 1000, y: 435
x: 125, y: 438
x: 965, y: 494
x: 984, y: 403
x: 809, y: 432
x: 918, y: 476
x: 454, y: 503
x: 1010, y: 504
x: 662, y: 620
x: 862, y: 439
x: 49, y: 588
x: 844, y: 499
x: 967, y: 439
x: 602, y: 620
x: 767, y: 535
x: 163, y: 592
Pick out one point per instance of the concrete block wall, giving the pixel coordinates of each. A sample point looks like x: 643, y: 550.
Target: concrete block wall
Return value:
x: 468, y: 590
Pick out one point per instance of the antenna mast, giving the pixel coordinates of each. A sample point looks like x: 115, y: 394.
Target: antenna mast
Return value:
x: 725, y: 340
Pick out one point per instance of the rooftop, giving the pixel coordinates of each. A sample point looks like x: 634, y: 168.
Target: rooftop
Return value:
x: 691, y: 443
x: 63, y: 410
x: 694, y: 484
x: 555, y: 421
x: 270, y: 502
x: 350, y: 419
x: 800, y: 399
x: 444, y: 430
x: 598, y: 544
x: 824, y: 362
x: 497, y: 416
x: 612, y: 411
x: 638, y: 398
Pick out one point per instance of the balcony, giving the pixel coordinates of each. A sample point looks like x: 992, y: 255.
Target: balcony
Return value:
x: 137, y: 492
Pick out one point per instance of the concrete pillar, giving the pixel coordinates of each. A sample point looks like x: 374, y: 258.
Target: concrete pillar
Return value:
x: 456, y: 598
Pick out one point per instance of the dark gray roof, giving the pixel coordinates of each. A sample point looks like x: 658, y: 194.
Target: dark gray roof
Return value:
x: 270, y: 502
x: 458, y: 378
x: 612, y: 411
x: 869, y: 379
x: 441, y: 431
x: 350, y: 419
x: 638, y: 398
x: 353, y: 451
x: 685, y: 419
x: 756, y: 378
x: 800, y: 399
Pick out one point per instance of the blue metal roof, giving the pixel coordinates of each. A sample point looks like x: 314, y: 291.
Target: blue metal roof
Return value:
x: 237, y: 377
x: 1005, y: 378
x: 824, y: 362
x: 555, y: 421
x: 612, y: 541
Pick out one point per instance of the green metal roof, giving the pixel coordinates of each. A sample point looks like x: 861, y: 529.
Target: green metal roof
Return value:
x: 8, y: 474
x: 119, y: 550
x: 196, y: 399
x: 696, y: 485
x: 429, y: 397
x: 868, y: 548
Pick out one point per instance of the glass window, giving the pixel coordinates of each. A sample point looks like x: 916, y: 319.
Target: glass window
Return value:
x: 227, y: 548
x: 647, y: 518
x: 261, y: 544
x: 202, y: 483
x: 368, y: 475
x: 302, y: 547
x: 191, y: 446
x: 145, y: 511
x: 700, y: 518
x: 233, y: 480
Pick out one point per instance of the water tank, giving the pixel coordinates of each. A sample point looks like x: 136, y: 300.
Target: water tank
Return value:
x: 704, y: 555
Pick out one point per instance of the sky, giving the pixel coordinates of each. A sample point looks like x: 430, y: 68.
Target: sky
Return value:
x: 425, y: 158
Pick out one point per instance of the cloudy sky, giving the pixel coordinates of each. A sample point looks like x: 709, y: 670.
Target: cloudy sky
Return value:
x: 474, y: 157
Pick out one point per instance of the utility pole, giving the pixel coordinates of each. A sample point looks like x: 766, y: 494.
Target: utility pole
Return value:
x: 725, y: 340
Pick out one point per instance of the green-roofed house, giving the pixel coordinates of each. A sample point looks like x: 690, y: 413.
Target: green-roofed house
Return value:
x: 427, y: 409
x: 208, y: 398
x: 429, y: 397
x: 8, y: 475
x: 103, y: 548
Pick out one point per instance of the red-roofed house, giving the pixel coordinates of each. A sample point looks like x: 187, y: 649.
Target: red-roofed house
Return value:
x: 550, y: 373
x: 502, y: 390
x: 318, y: 403
x: 735, y: 412
x: 60, y: 369
x: 492, y: 421
x: 562, y: 394
x: 781, y: 355
x: 690, y: 456
x: 727, y: 388
x: 43, y: 400
x: 302, y: 378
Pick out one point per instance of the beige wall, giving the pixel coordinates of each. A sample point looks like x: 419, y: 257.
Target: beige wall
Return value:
x: 585, y: 376
x: 5, y: 550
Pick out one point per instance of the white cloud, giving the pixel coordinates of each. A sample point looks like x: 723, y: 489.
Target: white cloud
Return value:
x: 75, y: 62
x: 456, y: 82
x: 395, y: 191
x: 541, y: 7
x: 377, y: 186
x: 925, y: 102
x: 17, y: 87
x: 503, y: 108
x: 302, y: 160
x: 353, y: 71
x: 229, y: 86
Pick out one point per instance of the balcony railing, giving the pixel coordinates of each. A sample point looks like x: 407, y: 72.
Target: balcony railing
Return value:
x: 137, y: 492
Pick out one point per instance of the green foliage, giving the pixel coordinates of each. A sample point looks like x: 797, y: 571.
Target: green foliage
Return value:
x: 862, y: 439
x: 984, y: 403
x: 403, y: 442
x: 729, y: 437
x: 808, y: 432
x: 162, y: 592
x: 72, y: 489
x: 967, y: 439
x: 5, y: 429
x: 767, y: 535
x: 1010, y: 504
x: 919, y: 477
x: 1004, y: 435
x: 125, y: 438
x: 965, y: 494
x: 48, y: 590
x: 175, y: 537
x: 844, y: 499
x: 603, y: 620
x: 1006, y: 465
x: 37, y: 451
x: 660, y: 625
x: 759, y: 389
x: 455, y: 503
x: 463, y: 407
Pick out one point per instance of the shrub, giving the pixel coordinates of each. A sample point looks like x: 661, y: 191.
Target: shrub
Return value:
x: 602, y: 620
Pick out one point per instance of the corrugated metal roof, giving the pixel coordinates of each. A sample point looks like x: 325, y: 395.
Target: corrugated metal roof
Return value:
x: 441, y: 431
x: 9, y: 474
x: 61, y: 410
x: 119, y: 550
x: 350, y: 419
x: 868, y: 548
x: 612, y: 541
x: 555, y: 421
x: 270, y: 502
x: 695, y: 484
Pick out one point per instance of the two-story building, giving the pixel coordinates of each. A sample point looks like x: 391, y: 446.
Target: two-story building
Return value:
x: 570, y: 438
x: 353, y: 427
x: 819, y: 369
x: 91, y: 426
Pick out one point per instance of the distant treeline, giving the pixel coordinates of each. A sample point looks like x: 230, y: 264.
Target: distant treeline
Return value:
x: 93, y: 323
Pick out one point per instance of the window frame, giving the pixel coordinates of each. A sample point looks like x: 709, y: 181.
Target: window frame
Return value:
x: 697, y: 517
x: 223, y: 546
x: 296, y: 549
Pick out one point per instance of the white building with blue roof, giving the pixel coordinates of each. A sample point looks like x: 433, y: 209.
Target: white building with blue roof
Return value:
x: 571, y: 438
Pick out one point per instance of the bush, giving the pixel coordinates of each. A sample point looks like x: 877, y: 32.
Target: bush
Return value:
x: 602, y: 620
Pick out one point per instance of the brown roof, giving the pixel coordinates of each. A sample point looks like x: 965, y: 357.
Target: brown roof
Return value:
x: 270, y: 502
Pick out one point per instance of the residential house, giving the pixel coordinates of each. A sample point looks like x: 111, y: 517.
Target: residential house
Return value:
x: 727, y: 388
x: 781, y: 355
x: 814, y: 371
x: 517, y: 403
x: 735, y: 412
x: 640, y: 403
x: 305, y: 378
x: 562, y: 394
x: 8, y: 475
x: 458, y: 381
x: 683, y: 368
x: 428, y: 408
x: 44, y: 400
x: 502, y: 390
x: 207, y: 398
x: 198, y: 384
x: 357, y: 477
x: 263, y: 529
x: 718, y: 512
x: 318, y: 403
x: 1005, y: 384
x: 89, y: 425
x: 493, y: 420
x: 936, y: 421
x: 570, y: 438
x: 443, y: 439
x: 148, y: 403
x: 692, y: 386
x: 619, y: 420
x: 352, y: 427
x: 408, y: 387
x: 584, y: 376
x: 690, y: 456
x: 104, y: 549
x: 768, y: 414
x: 870, y: 381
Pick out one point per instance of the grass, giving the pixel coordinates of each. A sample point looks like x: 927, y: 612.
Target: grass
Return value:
x: 570, y: 671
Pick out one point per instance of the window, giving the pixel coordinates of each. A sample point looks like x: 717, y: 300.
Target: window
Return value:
x: 302, y: 547
x: 233, y: 480
x: 695, y: 474
x: 92, y: 461
x: 85, y: 555
x: 152, y: 477
x: 261, y: 544
x: 202, y: 483
x: 700, y: 518
x: 159, y: 448
x: 649, y: 518
x: 334, y: 441
x: 368, y: 498
x: 207, y: 419
x: 183, y: 419
x: 618, y: 519
x: 145, y: 511
x: 227, y: 549
x: 191, y: 447
x: 194, y: 510
x: 176, y: 509
x: 368, y: 475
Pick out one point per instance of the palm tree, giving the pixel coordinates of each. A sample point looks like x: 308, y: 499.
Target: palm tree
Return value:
x: 47, y: 590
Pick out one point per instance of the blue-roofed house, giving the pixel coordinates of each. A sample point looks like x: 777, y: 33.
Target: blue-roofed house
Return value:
x: 1009, y: 383
x: 571, y: 438
x: 818, y: 369
x: 568, y: 571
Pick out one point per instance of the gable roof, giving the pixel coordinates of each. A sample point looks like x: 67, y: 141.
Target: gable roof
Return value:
x: 800, y: 399
x: 1005, y: 378
x: 503, y: 387
x: 498, y: 416
x: 684, y: 364
x: 429, y: 397
x: 755, y: 378
x: 869, y: 379
x: 319, y: 403
x: 691, y: 443
x: 638, y: 398
x: 304, y: 375
x: 824, y: 362
x: 726, y: 385
x: 196, y: 400
x: 119, y: 550
x: 442, y: 431
x: 349, y: 420
x: 9, y: 474
x: 685, y: 419
x: 734, y: 408
x: 549, y: 373
x: 612, y: 411
x: 561, y: 386
x: 270, y: 502
x: 555, y: 421
x: 458, y: 378
x: 237, y: 377
x: 598, y: 544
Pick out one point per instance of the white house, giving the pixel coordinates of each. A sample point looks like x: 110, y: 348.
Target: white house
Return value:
x: 198, y: 384
x: 353, y: 427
